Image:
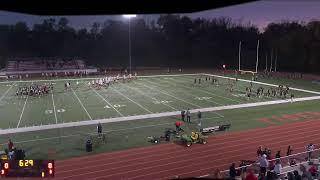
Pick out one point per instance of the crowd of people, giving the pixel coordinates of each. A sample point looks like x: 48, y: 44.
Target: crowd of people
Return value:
x: 34, y: 90
x: 108, y: 80
x: 270, y: 168
x: 12, y: 153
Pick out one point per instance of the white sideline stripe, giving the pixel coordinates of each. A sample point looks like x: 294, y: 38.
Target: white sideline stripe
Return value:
x: 71, y: 79
x: 79, y: 134
x: 25, y: 102
x: 131, y: 100
x: 81, y: 103
x: 166, y: 93
x: 5, y: 93
x: 144, y: 94
x: 195, y: 96
x: 268, y: 84
x: 54, y: 109
x: 114, y: 130
x: 149, y: 116
x: 106, y: 101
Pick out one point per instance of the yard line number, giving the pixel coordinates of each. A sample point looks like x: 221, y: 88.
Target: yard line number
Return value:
x: 161, y: 102
x: 115, y: 106
x: 50, y: 111
x: 202, y: 98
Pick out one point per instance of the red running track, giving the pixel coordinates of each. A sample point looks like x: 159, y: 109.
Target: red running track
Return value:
x: 169, y: 160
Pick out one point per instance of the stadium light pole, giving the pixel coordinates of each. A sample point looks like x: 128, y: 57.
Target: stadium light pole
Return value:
x: 129, y: 16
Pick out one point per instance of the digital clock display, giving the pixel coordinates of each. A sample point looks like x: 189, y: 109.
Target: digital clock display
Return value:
x: 26, y: 163
x: 27, y: 168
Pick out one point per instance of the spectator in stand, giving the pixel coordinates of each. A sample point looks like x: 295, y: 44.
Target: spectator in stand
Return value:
x: 305, y: 174
x: 278, y: 155
x: 217, y: 174
x: 251, y: 176
x: 232, y: 171
x: 297, y: 176
x: 310, y: 148
x: 270, y: 176
x: 263, y: 164
x: 259, y: 151
x: 277, y: 168
x: 289, y: 151
x: 313, y: 170
x: 290, y: 176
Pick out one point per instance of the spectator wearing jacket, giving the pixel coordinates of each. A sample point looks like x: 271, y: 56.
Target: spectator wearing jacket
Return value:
x: 232, y: 171
x: 263, y: 162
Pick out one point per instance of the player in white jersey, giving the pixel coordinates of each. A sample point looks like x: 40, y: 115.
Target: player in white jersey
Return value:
x: 135, y: 75
x: 89, y: 84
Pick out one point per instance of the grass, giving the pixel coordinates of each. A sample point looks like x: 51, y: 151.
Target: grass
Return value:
x: 143, y: 96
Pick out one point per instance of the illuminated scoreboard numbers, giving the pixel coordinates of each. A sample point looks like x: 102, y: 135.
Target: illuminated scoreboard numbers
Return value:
x: 26, y: 163
x: 27, y: 168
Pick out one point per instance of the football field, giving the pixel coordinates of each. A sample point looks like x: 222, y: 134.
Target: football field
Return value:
x: 146, y: 95
x: 131, y: 111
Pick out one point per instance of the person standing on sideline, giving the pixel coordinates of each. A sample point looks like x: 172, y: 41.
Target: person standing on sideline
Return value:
x: 10, y: 145
x: 99, y: 128
x: 199, y: 119
x: 292, y: 96
x: 183, y: 115
x: 310, y: 148
x: 188, y: 116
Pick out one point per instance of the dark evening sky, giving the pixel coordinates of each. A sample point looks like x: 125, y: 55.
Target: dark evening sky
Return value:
x: 258, y: 13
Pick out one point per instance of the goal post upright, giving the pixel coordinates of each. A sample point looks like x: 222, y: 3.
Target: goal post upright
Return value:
x: 257, y: 62
x: 239, y: 55
x: 271, y: 56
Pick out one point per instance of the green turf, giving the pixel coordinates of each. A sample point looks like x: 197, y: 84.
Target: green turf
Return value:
x: 142, y: 96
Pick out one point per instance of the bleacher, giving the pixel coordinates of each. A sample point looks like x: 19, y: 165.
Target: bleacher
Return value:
x: 38, y: 65
x: 299, y: 158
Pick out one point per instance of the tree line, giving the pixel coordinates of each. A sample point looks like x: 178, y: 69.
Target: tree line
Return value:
x: 170, y: 41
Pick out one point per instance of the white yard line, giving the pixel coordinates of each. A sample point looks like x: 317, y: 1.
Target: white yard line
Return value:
x: 187, y: 92
x: 107, y: 101
x: 109, y: 131
x: 131, y: 100
x: 166, y: 93
x: 204, y: 91
x: 25, y: 102
x: 54, y: 109
x: 150, y: 116
x: 81, y: 104
x: 5, y: 93
x: 80, y: 133
x: 144, y: 94
x: 220, y: 115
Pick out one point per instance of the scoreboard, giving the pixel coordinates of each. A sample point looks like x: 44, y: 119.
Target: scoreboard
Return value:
x: 27, y: 168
